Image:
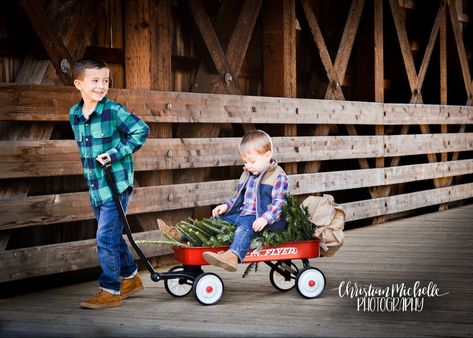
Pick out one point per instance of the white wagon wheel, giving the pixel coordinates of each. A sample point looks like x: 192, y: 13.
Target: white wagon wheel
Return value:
x: 208, y: 288
x: 278, y: 280
x: 310, y: 282
x: 177, y: 287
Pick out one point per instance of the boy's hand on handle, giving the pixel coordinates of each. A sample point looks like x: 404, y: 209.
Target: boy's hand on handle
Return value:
x: 103, y: 159
x: 259, y: 224
x: 219, y: 209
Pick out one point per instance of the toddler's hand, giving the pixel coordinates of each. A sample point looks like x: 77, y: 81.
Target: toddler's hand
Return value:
x: 259, y: 224
x: 219, y: 209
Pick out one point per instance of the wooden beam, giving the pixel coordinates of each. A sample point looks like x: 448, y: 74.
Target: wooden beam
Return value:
x: 4, y: 238
x: 443, y: 82
x: 378, y: 53
x: 36, y: 103
x: 61, y: 157
x: 335, y: 85
x: 52, y: 43
x: 70, y: 256
x: 77, y: 26
x: 399, y: 203
x: 461, y: 50
x: 61, y: 208
x: 346, y: 44
x: 399, y: 22
x: 213, y: 46
x: 443, y: 59
x: 430, y: 47
x: 241, y: 35
x: 379, y: 91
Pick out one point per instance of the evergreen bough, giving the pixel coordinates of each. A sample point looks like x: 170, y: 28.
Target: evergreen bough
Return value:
x: 215, y: 232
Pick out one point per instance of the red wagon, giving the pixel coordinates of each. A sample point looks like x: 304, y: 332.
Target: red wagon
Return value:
x: 207, y: 287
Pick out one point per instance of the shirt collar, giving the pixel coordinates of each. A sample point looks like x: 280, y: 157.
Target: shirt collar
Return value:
x: 98, y: 109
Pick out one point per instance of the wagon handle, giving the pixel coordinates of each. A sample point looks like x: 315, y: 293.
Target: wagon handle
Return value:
x: 107, y: 167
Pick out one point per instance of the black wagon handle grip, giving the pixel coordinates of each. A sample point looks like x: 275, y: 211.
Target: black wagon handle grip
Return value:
x: 107, y: 162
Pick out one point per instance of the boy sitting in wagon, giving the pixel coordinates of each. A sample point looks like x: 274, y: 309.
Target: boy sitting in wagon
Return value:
x: 257, y: 205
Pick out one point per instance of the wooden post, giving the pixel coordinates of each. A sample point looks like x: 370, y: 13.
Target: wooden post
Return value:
x: 279, y: 56
x: 379, y: 89
x: 443, y: 87
x: 148, y: 66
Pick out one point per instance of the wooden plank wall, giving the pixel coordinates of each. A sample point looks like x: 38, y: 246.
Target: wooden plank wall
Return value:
x: 350, y: 93
x: 28, y: 159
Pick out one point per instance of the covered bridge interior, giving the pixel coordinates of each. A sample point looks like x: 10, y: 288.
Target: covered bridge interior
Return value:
x: 370, y: 101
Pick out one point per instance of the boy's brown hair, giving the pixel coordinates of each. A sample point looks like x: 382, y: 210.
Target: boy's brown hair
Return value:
x: 81, y: 65
x: 256, y: 140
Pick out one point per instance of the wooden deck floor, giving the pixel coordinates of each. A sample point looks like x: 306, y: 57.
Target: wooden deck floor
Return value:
x: 436, y: 248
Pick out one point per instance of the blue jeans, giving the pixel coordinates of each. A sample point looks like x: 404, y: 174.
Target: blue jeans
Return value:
x: 115, y: 258
x: 244, y: 233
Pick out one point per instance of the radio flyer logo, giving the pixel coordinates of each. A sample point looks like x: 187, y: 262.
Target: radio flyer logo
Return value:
x: 274, y: 252
x: 397, y: 297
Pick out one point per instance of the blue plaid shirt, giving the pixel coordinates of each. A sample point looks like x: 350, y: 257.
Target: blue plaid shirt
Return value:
x: 278, y: 195
x: 111, y: 129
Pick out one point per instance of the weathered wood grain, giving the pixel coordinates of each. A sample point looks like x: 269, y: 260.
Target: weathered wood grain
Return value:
x: 415, y: 200
x: 35, y: 103
x: 70, y: 256
x: 61, y: 157
x: 49, y: 209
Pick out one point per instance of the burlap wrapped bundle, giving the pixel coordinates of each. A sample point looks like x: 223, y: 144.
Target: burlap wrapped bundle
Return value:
x: 329, y: 220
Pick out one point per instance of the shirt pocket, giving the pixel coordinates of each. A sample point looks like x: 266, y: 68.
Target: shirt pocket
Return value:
x: 101, y: 130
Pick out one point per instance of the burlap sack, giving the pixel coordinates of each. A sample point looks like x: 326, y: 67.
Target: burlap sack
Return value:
x: 329, y: 220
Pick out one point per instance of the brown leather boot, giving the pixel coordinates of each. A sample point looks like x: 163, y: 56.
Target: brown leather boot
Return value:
x: 130, y: 287
x: 226, y: 260
x: 168, y: 230
x: 102, y: 300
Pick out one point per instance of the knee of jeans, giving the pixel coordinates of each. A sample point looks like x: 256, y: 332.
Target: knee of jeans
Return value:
x: 241, y: 230
x: 244, y: 233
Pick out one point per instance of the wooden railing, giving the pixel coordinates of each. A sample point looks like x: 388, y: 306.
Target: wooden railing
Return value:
x: 46, y: 158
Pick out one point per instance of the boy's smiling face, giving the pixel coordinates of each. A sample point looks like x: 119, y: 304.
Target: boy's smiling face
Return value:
x: 93, y: 84
x: 256, y: 162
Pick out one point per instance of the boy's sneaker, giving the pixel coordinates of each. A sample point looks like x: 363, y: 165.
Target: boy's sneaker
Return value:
x: 168, y: 230
x: 131, y: 286
x: 102, y: 300
x: 226, y: 260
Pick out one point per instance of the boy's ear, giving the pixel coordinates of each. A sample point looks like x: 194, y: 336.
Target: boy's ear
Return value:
x: 78, y: 84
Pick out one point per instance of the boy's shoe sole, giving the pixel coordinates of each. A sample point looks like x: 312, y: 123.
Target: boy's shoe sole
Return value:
x: 214, y: 259
x: 100, y: 306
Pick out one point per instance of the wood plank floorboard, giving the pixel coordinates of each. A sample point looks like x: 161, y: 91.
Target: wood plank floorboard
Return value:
x: 436, y: 248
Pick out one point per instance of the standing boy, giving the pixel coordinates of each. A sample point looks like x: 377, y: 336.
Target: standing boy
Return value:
x: 105, y: 131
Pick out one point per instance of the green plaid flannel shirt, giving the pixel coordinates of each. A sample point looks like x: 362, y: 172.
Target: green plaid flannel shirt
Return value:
x: 111, y: 129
